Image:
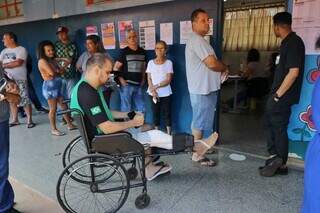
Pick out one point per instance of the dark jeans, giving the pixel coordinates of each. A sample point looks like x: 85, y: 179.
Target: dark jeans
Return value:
x: 277, y: 120
x: 32, y: 94
x: 162, y: 107
x: 6, y: 192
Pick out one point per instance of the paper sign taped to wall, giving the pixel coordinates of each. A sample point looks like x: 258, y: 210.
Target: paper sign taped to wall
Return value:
x: 108, y: 35
x: 91, y: 30
x: 123, y: 28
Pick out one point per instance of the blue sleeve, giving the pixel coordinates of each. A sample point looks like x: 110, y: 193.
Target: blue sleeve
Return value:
x: 316, y: 105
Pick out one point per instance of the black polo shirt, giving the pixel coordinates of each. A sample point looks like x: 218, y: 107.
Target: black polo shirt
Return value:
x: 134, y: 65
x: 94, y: 112
x: 292, y: 55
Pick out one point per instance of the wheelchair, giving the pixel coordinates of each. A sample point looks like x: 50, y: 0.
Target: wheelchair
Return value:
x: 98, y: 174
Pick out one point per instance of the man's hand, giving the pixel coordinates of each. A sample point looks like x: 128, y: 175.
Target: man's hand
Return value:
x: 117, y: 66
x: 2, y: 97
x: 138, y: 119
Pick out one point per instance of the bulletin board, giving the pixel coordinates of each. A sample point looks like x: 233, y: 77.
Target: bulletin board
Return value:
x: 166, y: 12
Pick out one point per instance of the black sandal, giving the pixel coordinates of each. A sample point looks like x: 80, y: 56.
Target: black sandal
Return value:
x: 14, y: 124
x: 31, y: 125
x: 206, y: 162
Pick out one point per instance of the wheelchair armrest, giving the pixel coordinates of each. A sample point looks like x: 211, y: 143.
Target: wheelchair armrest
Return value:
x: 119, y: 134
x: 64, y: 112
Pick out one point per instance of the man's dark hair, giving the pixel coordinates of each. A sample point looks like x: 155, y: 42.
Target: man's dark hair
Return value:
x: 282, y: 18
x: 12, y: 36
x: 253, y: 55
x: 40, y: 51
x: 195, y: 14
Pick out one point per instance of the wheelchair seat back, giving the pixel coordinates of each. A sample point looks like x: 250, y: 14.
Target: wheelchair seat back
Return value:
x: 78, y: 117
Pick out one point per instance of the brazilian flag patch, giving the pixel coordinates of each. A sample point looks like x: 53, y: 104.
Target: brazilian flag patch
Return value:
x: 95, y: 110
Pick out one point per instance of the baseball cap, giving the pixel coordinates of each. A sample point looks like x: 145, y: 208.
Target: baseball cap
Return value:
x: 62, y: 29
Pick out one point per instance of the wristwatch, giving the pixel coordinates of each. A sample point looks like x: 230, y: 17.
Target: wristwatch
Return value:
x: 276, y: 98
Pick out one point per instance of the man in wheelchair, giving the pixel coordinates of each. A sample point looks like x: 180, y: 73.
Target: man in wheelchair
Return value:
x: 88, y: 97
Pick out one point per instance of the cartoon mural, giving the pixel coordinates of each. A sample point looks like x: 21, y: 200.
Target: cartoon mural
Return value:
x: 301, y: 127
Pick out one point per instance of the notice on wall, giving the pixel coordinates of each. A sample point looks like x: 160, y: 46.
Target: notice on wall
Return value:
x: 166, y: 33
x: 185, y: 30
x: 91, y: 30
x: 211, y: 27
x: 108, y: 35
x: 306, y: 23
x: 147, y: 34
x: 123, y: 27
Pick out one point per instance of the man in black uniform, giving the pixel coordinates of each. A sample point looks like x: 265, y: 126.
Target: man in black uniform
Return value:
x: 285, y: 92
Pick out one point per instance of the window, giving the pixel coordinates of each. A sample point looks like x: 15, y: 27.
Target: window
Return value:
x: 248, y: 29
x: 11, y: 8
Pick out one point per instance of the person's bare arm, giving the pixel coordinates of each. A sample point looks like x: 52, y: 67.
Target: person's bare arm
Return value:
x: 109, y: 127
x: 288, y: 81
x: 13, y: 64
x: 46, y: 68
x: 214, y: 64
x: 117, y: 114
x: 150, y: 84
x: 166, y: 82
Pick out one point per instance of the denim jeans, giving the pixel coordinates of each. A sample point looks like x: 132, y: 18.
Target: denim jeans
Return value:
x: 132, y: 98
x: 6, y: 191
x: 203, y: 110
x: 67, y: 86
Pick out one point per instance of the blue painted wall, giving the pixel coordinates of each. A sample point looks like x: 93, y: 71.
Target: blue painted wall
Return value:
x: 30, y: 34
x: 35, y: 10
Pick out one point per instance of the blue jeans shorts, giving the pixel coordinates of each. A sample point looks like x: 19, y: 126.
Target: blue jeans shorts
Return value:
x: 203, y: 110
x: 52, y: 89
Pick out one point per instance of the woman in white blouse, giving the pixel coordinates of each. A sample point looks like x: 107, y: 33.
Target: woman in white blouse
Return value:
x: 160, y: 73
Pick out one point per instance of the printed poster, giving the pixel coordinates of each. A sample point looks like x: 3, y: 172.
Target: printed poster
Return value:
x: 185, y: 30
x: 147, y: 34
x: 123, y: 27
x: 166, y: 33
x: 108, y: 35
x: 91, y: 30
x: 306, y: 23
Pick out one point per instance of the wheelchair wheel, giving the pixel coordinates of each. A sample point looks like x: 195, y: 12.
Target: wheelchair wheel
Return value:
x: 142, y: 201
x: 75, y: 150
x: 106, y: 192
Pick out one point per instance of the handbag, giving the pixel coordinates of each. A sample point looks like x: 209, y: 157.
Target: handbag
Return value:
x: 12, y: 91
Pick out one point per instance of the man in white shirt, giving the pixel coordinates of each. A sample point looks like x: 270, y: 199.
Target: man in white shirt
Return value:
x: 13, y: 60
x: 204, y: 78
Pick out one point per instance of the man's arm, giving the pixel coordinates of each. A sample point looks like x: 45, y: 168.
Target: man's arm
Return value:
x: 117, y: 114
x: 214, y: 64
x: 109, y: 127
x: 288, y: 81
x: 13, y: 64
